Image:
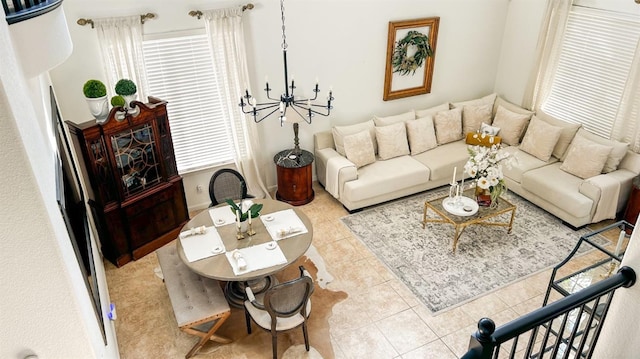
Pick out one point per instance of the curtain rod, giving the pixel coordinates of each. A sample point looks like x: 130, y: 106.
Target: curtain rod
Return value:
x: 143, y: 18
x: 198, y: 13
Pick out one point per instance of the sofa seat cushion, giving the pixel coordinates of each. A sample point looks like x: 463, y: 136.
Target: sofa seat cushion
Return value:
x: 442, y: 159
x: 386, y: 176
x: 558, y: 187
x: 524, y: 163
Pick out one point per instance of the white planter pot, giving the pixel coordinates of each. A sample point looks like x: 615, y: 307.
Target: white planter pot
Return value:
x: 128, y: 99
x: 99, y: 108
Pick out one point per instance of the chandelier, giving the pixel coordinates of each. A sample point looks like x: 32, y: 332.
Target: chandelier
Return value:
x: 305, y: 108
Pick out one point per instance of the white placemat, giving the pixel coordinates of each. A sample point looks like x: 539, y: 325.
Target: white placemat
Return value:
x: 222, y: 216
x: 257, y: 257
x: 204, y: 245
x: 283, y: 224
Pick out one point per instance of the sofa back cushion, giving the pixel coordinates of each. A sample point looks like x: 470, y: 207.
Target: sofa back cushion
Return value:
x: 432, y: 110
x: 390, y: 120
x: 512, y: 125
x: 339, y: 132
x: 540, y: 139
x: 618, y: 151
x: 568, y: 132
x: 448, y: 125
x: 486, y: 100
x: 421, y: 134
x: 359, y: 148
x: 392, y: 140
x: 585, y: 158
x: 510, y: 106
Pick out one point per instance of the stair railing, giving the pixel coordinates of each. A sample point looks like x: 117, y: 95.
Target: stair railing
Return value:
x: 569, y: 325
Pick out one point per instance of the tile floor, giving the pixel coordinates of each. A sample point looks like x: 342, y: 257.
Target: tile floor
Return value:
x: 380, y: 318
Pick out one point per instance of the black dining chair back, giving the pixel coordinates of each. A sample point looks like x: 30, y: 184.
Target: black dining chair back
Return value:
x: 227, y: 184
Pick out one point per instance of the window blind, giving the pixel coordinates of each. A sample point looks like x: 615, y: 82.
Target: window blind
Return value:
x: 593, y: 67
x: 180, y: 71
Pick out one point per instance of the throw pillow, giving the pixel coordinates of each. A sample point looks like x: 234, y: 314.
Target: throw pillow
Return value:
x: 568, y: 132
x: 390, y: 120
x: 489, y: 130
x: 585, y: 158
x: 540, y: 139
x: 475, y: 115
x: 512, y: 125
x: 448, y: 125
x: 421, y: 134
x: 510, y: 106
x: 392, y: 141
x: 359, y: 148
x: 482, y: 139
x: 486, y: 100
x: 617, y: 153
x: 339, y: 132
x: 432, y: 110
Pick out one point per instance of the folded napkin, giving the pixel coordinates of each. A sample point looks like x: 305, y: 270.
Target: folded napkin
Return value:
x: 199, y: 246
x: 283, y: 224
x: 254, y: 258
x: 193, y: 231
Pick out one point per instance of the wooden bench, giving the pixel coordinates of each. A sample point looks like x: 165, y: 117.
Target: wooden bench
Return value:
x: 199, y: 304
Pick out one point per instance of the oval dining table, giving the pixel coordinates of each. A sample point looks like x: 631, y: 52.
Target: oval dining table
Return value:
x: 218, y: 266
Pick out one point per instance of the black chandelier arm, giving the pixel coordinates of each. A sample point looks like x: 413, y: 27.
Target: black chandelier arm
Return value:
x: 306, y: 116
x: 306, y: 107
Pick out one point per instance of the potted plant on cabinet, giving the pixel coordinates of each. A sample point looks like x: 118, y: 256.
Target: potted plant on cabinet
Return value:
x: 119, y: 102
x: 127, y: 89
x: 95, y: 93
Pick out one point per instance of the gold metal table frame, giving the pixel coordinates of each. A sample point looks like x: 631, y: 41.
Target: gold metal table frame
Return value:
x: 461, y: 222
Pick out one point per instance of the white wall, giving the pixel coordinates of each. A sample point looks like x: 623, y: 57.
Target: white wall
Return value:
x: 343, y: 43
x: 45, y: 306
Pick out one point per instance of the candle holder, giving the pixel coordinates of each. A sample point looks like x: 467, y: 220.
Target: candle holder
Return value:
x: 239, y: 234
x: 453, y: 190
x: 250, y: 232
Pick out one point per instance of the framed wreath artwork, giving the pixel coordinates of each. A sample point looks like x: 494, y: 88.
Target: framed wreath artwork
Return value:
x: 411, y: 50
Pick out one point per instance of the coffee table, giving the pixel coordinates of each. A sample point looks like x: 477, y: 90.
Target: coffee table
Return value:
x: 482, y: 217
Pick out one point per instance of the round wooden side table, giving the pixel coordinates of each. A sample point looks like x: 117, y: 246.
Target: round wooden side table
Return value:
x: 294, y: 177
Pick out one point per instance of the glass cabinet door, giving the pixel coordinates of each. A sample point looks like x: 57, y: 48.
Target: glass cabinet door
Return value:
x: 136, y: 159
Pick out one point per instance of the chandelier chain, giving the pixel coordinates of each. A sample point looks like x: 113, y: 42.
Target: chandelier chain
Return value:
x: 284, y: 37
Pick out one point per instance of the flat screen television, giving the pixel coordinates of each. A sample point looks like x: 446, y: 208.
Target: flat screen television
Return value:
x: 72, y: 207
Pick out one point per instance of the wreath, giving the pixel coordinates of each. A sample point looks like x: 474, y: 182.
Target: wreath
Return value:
x: 404, y: 64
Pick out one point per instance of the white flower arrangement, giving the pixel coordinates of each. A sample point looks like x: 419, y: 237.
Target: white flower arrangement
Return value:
x: 485, y: 166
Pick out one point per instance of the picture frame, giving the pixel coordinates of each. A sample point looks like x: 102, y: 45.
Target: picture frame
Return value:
x: 411, y: 51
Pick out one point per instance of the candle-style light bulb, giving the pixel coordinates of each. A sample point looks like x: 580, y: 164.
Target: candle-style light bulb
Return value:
x: 281, y: 107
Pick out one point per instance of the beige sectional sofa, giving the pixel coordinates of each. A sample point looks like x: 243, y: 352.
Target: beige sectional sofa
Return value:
x: 579, y: 177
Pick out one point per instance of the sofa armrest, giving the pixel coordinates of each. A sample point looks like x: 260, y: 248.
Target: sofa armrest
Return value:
x: 631, y: 162
x: 323, y: 139
x: 333, y: 170
x: 609, y: 192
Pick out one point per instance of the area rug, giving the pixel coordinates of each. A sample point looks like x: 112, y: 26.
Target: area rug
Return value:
x: 487, y: 258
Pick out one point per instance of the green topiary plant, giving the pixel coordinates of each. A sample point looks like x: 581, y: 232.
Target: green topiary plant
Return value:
x: 94, y: 89
x: 125, y: 87
x: 118, y: 101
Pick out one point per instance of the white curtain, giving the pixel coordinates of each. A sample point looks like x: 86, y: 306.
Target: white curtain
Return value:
x: 120, y: 42
x: 627, y: 123
x: 226, y: 34
x: 547, y: 53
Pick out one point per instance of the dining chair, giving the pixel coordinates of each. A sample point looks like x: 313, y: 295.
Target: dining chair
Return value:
x: 227, y: 183
x: 286, y: 306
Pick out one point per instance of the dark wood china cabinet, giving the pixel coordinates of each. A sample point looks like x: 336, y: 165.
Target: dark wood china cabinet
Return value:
x: 136, y: 196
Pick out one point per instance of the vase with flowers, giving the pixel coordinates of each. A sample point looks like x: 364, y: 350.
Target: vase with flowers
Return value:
x: 485, y: 167
x: 245, y: 212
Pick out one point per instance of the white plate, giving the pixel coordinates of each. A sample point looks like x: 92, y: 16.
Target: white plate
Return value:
x: 268, y: 218
x: 469, y: 206
x: 217, y: 250
x: 271, y: 245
